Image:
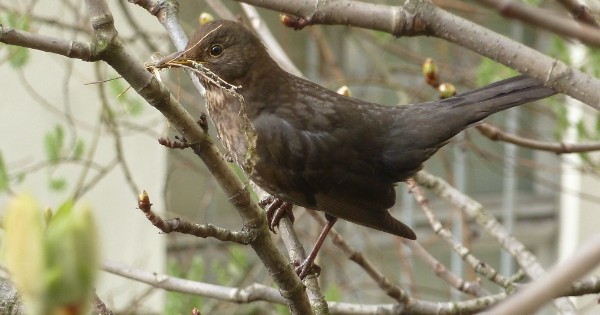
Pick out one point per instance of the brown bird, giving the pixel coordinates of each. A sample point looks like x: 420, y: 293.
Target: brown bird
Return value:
x: 312, y: 147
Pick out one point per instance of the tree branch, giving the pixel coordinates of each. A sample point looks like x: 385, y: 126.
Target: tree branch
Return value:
x: 552, y: 285
x: 546, y: 19
x: 465, y: 253
x: 476, y: 212
x: 496, y: 134
x: 67, y: 48
x: 254, y: 292
x: 579, y: 11
x: 259, y: 292
x: 391, y: 289
x: 182, y: 226
x: 421, y: 17
x: 109, y: 48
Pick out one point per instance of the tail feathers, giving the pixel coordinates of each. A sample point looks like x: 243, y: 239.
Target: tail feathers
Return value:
x: 501, y: 95
x: 393, y: 226
x: 379, y: 219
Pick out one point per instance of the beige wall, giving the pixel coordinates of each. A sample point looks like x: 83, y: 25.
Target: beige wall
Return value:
x: 126, y: 236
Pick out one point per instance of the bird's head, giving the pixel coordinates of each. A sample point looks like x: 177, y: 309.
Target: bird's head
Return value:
x: 227, y: 49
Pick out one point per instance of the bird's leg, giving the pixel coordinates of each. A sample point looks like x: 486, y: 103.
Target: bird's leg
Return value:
x: 276, y: 209
x: 302, y: 269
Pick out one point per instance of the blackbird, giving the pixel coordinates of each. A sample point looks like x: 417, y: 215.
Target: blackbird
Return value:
x: 315, y: 148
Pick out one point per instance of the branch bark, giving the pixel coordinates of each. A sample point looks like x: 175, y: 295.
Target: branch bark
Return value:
x: 108, y: 47
x: 253, y: 218
x: 496, y: 134
x: 422, y: 17
x: 552, y: 284
x: 476, y: 212
x: 547, y: 19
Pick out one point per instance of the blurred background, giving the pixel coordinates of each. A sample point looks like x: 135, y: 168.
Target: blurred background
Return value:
x: 67, y: 132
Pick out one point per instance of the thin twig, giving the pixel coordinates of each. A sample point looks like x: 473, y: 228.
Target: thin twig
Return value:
x: 579, y: 11
x: 496, y: 134
x: 465, y: 253
x: 184, y: 227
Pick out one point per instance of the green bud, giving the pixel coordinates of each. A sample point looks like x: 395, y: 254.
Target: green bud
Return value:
x: 24, y: 251
x: 205, y: 18
x: 53, y: 267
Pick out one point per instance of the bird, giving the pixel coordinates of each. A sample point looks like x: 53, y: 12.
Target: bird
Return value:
x: 312, y: 147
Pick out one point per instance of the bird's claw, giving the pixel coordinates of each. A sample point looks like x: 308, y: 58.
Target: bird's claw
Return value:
x: 305, y: 268
x: 276, y: 209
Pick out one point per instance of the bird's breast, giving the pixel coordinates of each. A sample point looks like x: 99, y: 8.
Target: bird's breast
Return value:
x: 232, y: 125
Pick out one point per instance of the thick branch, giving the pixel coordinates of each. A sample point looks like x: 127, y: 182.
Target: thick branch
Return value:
x: 421, y: 17
x: 109, y: 48
x: 546, y: 19
x: 68, y: 48
x: 553, y: 285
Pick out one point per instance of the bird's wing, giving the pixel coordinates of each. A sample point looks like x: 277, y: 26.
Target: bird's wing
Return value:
x: 324, y: 167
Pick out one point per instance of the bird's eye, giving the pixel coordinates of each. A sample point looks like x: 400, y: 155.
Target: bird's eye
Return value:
x: 216, y: 50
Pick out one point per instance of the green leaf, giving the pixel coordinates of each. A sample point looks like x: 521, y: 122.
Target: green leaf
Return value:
x: 592, y: 62
x: 238, y: 261
x: 18, y: 56
x: 333, y: 293
x: 116, y: 87
x: 53, y: 142
x: 582, y: 131
x: 64, y: 210
x: 220, y: 272
x: 131, y: 103
x: 490, y: 71
x: 79, y: 149
x: 562, y: 123
x: 196, y: 269
x: 57, y: 184
x: 24, y: 251
x: 71, y: 245
x: 20, y: 177
x: 535, y: 3
x: 597, y: 126
x: 383, y: 36
x: 17, y: 20
x: 4, y: 183
x: 136, y: 107
x: 559, y: 49
x: 54, y: 263
x: 585, y: 157
x: 178, y: 303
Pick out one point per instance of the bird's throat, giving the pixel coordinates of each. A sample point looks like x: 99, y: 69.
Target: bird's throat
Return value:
x: 234, y: 129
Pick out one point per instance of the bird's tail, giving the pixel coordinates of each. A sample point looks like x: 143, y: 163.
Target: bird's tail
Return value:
x: 418, y: 131
x: 501, y: 95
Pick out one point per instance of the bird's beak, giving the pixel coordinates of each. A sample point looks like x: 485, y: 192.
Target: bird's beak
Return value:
x: 174, y: 58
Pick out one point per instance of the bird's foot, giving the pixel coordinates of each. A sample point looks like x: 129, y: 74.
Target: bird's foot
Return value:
x: 276, y: 209
x: 306, y: 267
